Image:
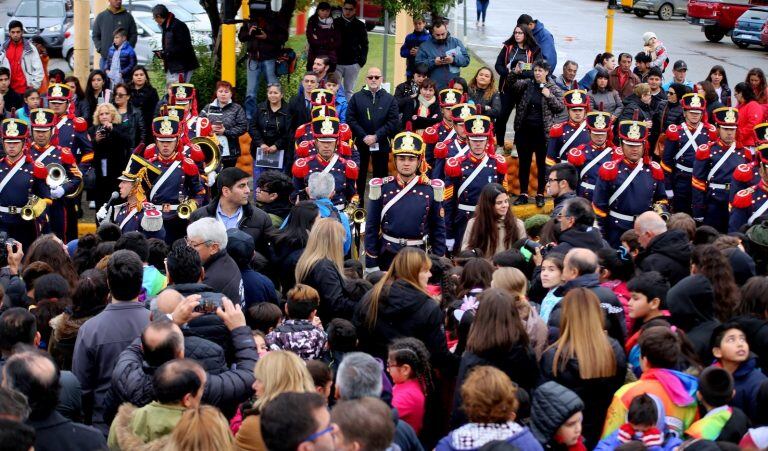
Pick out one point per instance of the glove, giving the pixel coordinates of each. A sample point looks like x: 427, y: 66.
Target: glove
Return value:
x: 101, y: 215
x: 653, y: 437
x: 57, y: 193
x: 211, y: 178
x: 367, y: 271
x: 670, y: 194
x: 626, y: 433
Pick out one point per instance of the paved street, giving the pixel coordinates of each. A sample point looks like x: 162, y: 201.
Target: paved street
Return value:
x: 579, y: 30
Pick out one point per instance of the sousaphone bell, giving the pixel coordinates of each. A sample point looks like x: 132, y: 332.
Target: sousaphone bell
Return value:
x: 210, y: 147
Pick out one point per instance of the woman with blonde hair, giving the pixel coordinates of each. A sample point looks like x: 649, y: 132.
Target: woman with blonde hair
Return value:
x: 111, y: 149
x: 513, y: 281
x: 321, y: 266
x: 585, y: 359
x: 400, y: 306
x: 201, y: 429
x: 277, y: 372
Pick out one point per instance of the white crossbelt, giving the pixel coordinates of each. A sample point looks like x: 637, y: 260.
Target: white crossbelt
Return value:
x: 399, y: 196
x: 588, y: 185
x: 11, y: 173
x: 626, y: 183
x: 11, y: 210
x: 720, y: 185
x: 595, y: 161
x: 44, y: 155
x: 469, y: 208
x: 572, y: 138
x: 472, y: 176
x: 684, y: 168
x: 759, y: 212
x: 402, y: 241
x: 722, y: 161
x: 62, y: 121
x: 691, y: 139
x: 462, y: 150
x: 621, y: 216
x: 331, y: 163
x: 164, y: 177
x: 128, y: 217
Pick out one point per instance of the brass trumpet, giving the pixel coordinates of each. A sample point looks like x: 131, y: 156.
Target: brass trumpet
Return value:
x: 33, y: 209
x: 355, y: 213
x: 57, y: 175
x: 186, y: 207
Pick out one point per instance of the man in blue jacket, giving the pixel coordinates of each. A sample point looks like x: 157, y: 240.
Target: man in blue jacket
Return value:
x: 543, y: 37
x: 443, y: 54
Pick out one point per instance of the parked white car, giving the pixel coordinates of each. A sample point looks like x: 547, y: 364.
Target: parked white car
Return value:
x: 149, y: 39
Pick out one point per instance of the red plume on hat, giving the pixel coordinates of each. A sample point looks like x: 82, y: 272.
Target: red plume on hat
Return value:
x: 408, y: 126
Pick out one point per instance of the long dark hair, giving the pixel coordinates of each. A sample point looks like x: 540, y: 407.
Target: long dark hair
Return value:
x: 485, y: 232
x: 601, y: 57
x: 90, y: 95
x: 528, y: 41
x: 710, y: 95
x: 48, y: 249
x: 761, y: 87
x: 746, y: 91
x: 296, y: 232
x: 497, y: 325
x: 148, y: 84
x: 477, y: 273
x: 91, y: 294
x: 601, y: 73
x: 712, y: 264
x: 79, y: 94
x: 754, y: 298
x: 720, y: 70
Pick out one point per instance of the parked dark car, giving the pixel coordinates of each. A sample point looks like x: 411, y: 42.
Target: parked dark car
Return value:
x: 54, y: 20
x: 749, y: 27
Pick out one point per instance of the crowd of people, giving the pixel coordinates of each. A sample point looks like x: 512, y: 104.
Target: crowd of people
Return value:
x: 324, y: 309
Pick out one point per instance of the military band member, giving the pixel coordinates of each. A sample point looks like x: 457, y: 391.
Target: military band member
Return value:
x: 68, y: 182
x: 443, y: 131
x: 629, y: 187
x: 680, y: 150
x: 70, y: 132
x: 326, y: 133
x: 571, y: 133
x: 20, y: 178
x: 470, y: 173
x: 751, y: 203
x: 179, y: 183
x: 135, y: 213
x: 404, y: 210
x: 184, y: 94
x: 305, y: 141
x: 456, y: 143
x: 720, y: 170
x: 589, y: 157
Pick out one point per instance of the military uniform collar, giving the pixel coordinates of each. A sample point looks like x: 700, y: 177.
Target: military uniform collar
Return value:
x: 475, y: 159
x: 401, y: 183
x: 170, y: 159
x: 630, y: 164
x: 7, y: 160
x: 323, y: 161
x: 596, y: 147
x: 722, y: 144
x: 574, y: 124
x: 40, y: 149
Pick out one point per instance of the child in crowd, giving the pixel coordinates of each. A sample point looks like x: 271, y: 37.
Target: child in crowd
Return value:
x: 322, y: 377
x: 720, y: 421
x: 551, y: 279
x: 261, y: 342
x: 647, y: 293
x: 408, y: 366
x: 659, y: 355
x: 616, y: 268
x: 342, y: 339
x: 32, y: 100
x: 731, y: 350
x: 332, y: 83
x: 299, y: 333
x: 490, y: 401
x: 556, y: 416
x: 645, y: 423
x: 631, y: 242
x: 263, y: 317
x: 121, y: 59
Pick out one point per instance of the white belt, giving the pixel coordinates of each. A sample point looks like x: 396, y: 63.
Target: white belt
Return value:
x: 160, y: 207
x: 684, y: 168
x: 340, y: 207
x: 469, y: 208
x: 720, y: 185
x: 621, y: 216
x: 13, y: 210
x: 402, y: 241
x: 588, y: 185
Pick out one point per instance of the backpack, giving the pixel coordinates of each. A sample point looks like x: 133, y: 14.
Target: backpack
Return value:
x: 286, y: 62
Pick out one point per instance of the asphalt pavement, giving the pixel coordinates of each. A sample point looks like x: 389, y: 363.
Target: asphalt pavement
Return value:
x: 579, y: 30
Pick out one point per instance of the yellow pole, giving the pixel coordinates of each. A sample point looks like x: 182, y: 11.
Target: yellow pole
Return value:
x: 82, y: 40
x: 403, y: 26
x: 609, y: 29
x: 228, y: 53
x: 98, y: 6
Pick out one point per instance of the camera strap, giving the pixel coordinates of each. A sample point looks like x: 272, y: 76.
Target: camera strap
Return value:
x: 11, y: 173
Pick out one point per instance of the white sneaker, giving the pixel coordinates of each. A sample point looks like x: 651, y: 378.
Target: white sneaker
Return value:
x: 477, y: 24
x: 513, y: 153
x: 92, y: 205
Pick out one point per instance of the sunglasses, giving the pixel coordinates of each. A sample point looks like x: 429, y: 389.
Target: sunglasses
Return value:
x: 373, y: 77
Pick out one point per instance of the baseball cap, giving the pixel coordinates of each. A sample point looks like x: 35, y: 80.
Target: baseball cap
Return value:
x: 680, y: 65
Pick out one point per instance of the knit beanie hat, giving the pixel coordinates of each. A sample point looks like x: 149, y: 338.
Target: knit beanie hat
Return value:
x: 647, y: 36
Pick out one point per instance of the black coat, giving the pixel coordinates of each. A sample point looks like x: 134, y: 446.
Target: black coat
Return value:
x: 272, y: 128
x: 299, y: 113
x: 632, y: 104
x: 596, y: 393
x: 223, y: 275
x: 133, y: 121
x: 145, y: 99
x: 756, y: 330
x: 373, y: 114
x: 265, y: 49
x: 403, y: 311
x: 691, y: 305
x: 255, y: 222
x: 579, y: 236
x: 335, y: 300
x: 519, y: 363
x: 668, y: 253
x: 354, y: 41
x: 235, y: 124
x: 57, y: 433
x: 419, y: 123
x: 209, y: 327
x: 178, y: 52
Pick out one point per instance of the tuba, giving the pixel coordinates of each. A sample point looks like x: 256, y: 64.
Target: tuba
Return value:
x: 57, y: 175
x: 33, y: 209
x: 210, y: 147
x: 186, y: 207
x: 662, y: 211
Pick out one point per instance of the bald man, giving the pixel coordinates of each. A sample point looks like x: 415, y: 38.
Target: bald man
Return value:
x: 373, y: 116
x: 580, y: 271
x: 665, y: 251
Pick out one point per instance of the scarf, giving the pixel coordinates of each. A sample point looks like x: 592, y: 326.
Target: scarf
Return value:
x: 424, y: 104
x: 325, y: 23
x: 475, y: 435
x: 114, y: 68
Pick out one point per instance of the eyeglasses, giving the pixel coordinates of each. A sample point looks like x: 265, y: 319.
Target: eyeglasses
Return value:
x: 519, y: 32
x: 317, y: 435
x: 373, y: 77
x: 196, y: 245
x: 121, y: 95
x: 553, y: 180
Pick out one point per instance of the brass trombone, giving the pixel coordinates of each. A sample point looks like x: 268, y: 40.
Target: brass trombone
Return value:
x: 210, y: 147
x: 34, y: 208
x: 186, y: 207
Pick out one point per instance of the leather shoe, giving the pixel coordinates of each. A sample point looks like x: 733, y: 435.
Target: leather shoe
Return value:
x: 540, y: 200
x: 521, y: 200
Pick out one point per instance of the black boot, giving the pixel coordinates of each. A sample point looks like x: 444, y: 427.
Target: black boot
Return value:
x: 540, y: 200
x: 521, y: 200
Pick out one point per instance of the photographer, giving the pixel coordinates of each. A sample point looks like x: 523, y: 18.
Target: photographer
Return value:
x: 11, y: 254
x: 162, y: 341
x: 111, y: 149
x: 264, y: 36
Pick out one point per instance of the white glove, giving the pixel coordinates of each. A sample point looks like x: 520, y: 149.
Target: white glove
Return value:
x: 57, y: 193
x: 367, y: 271
x: 101, y: 215
x: 670, y: 194
x: 211, y: 178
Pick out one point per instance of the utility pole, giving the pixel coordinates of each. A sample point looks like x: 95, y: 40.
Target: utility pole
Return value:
x: 612, y: 6
x: 82, y: 27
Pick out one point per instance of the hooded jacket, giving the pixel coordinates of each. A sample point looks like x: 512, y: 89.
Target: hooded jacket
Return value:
x: 300, y: 337
x: 756, y: 330
x: 551, y: 406
x: 579, y: 236
x: 747, y: 380
x: 145, y: 428
x: 670, y: 443
x: 676, y: 390
x: 473, y: 436
x: 596, y: 393
x: 691, y: 305
x: 403, y: 311
x: 669, y: 253
x: 546, y: 43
